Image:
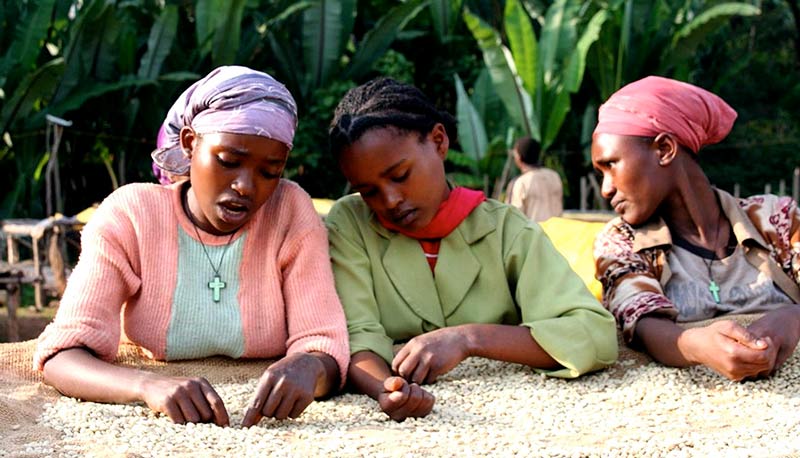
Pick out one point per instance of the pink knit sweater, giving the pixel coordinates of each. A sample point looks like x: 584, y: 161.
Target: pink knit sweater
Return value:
x: 130, y: 282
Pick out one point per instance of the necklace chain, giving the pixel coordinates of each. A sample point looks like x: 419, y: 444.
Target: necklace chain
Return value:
x: 712, y: 285
x: 216, y: 284
x: 208, y: 256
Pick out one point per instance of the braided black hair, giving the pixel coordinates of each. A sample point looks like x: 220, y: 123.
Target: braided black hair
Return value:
x: 385, y: 102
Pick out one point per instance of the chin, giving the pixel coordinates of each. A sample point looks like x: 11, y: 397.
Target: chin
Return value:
x: 635, y: 219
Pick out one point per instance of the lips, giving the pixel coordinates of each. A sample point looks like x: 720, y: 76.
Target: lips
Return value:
x: 403, y: 217
x: 234, y: 212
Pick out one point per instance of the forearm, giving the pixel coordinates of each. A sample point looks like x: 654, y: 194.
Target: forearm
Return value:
x: 664, y: 341
x: 367, y: 373
x: 329, y: 378
x: 77, y: 373
x: 513, y: 344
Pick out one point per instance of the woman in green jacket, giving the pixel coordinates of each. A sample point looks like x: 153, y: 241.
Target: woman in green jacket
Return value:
x: 452, y: 273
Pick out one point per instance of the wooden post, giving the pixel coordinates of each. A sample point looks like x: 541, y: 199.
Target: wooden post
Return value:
x: 584, y: 197
x: 38, y: 283
x: 796, y: 184
x: 768, y: 188
x: 14, y: 299
x: 598, y: 195
x: 737, y: 190
x: 782, y: 188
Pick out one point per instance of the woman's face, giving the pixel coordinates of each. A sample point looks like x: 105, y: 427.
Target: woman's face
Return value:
x: 400, y: 176
x: 635, y: 181
x: 232, y: 176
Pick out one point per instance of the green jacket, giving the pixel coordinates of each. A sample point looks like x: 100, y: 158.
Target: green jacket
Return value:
x: 496, y: 267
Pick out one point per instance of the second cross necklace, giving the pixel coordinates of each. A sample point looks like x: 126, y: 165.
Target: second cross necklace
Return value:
x: 712, y: 285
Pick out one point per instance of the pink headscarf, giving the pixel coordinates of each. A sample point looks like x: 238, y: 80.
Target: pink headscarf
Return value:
x: 654, y: 105
x: 233, y: 100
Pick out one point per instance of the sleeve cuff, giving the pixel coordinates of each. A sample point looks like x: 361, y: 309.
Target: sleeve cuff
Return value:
x: 379, y: 344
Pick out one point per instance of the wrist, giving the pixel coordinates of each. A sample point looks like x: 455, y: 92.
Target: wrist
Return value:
x: 469, y: 339
x: 686, y: 343
x: 313, y: 362
x: 141, y: 385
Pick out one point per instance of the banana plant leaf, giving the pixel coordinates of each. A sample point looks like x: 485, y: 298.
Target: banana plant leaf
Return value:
x: 471, y: 130
x: 82, y: 45
x: 522, y: 41
x: 378, y: 40
x: 508, y: 85
x: 686, y: 40
x: 159, y: 44
x: 30, y: 34
x: 326, y: 29
x: 444, y: 14
x: 39, y: 85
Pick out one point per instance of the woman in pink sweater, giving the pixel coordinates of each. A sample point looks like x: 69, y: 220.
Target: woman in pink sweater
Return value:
x: 228, y: 260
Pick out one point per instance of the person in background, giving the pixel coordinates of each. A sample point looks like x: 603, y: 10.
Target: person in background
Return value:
x: 228, y: 260
x: 682, y: 250
x: 538, y: 191
x: 443, y: 269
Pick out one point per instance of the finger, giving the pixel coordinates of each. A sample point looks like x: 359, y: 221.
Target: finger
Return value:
x: 251, y: 417
x: 198, y: 399
x: 740, y: 334
x: 431, y: 378
x: 415, y: 398
x: 174, y: 413
x: 300, y: 406
x: 421, y: 371
x: 409, y: 364
x: 219, y: 414
x: 273, y: 400
x: 188, y: 409
x: 393, y: 384
x: 253, y: 414
x: 400, y: 357
x: 396, y: 397
x: 286, y: 406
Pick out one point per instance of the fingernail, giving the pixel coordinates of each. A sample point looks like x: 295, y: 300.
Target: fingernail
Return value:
x: 760, y: 343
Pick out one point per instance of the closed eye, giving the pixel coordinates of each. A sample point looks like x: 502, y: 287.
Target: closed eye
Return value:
x: 403, y: 177
x: 226, y: 164
x: 269, y: 175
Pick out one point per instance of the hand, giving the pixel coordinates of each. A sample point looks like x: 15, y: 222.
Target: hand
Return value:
x: 783, y: 327
x: 425, y: 357
x: 184, y: 400
x: 401, y: 400
x: 285, y: 389
x: 731, y: 350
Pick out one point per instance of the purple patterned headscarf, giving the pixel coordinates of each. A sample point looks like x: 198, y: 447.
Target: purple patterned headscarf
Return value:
x: 233, y: 100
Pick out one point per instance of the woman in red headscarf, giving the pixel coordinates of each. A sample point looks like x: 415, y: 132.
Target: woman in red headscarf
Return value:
x: 682, y: 250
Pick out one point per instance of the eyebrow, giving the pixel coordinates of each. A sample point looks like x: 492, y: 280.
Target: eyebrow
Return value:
x: 243, y: 152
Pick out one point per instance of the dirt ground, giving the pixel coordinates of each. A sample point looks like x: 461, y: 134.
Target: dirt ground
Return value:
x: 31, y: 322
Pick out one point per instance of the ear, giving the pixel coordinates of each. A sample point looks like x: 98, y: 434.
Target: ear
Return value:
x: 438, y: 136
x: 667, y: 148
x: 189, y: 140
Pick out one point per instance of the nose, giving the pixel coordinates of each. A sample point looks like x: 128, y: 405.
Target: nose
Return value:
x: 607, y: 189
x: 243, y: 183
x: 392, y: 198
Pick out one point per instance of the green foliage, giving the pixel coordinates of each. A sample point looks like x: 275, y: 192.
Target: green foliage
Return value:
x: 310, y: 163
x: 114, y: 68
x: 655, y: 37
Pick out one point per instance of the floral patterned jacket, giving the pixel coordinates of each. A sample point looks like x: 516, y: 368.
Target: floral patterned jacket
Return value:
x: 631, y: 262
